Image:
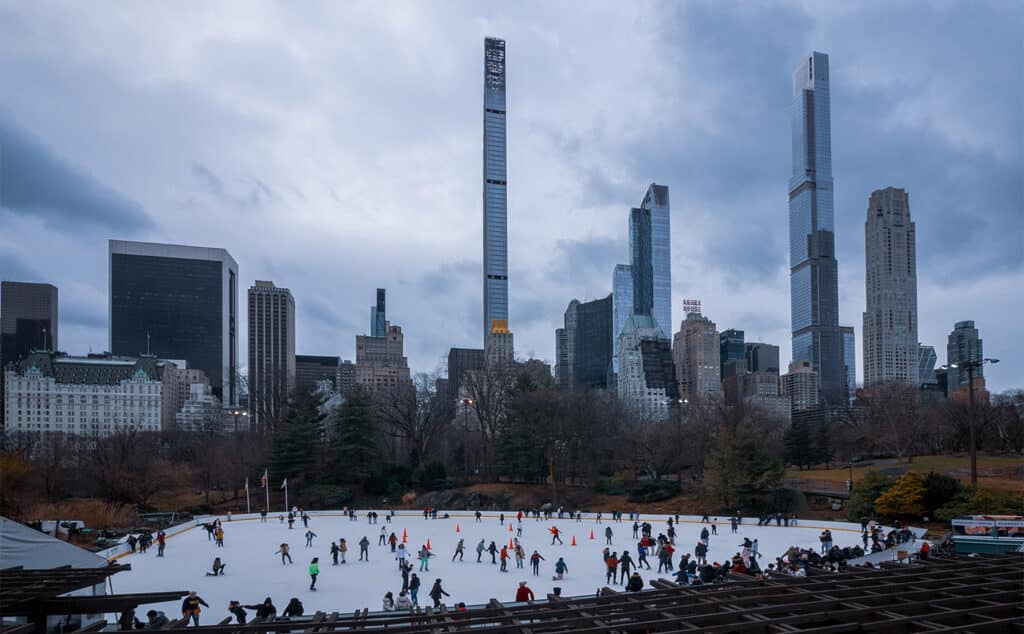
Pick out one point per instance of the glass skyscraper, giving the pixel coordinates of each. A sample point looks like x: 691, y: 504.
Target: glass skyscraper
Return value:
x: 495, y: 191
x: 378, y: 316
x: 177, y: 302
x: 640, y: 261
x: 657, y: 203
x: 814, y: 292
x: 849, y: 359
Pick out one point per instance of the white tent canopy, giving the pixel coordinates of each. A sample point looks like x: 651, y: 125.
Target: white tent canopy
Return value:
x: 31, y: 549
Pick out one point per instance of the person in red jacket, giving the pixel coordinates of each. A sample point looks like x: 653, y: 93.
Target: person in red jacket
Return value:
x: 554, y: 535
x: 523, y: 593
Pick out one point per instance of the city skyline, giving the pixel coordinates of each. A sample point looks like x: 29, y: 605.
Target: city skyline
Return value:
x: 209, y: 183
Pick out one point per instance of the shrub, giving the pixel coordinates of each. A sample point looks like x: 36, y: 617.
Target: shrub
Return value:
x: 96, y: 514
x: 905, y: 498
x: 974, y: 501
x: 653, y: 491
x: 433, y: 476
x: 939, y: 490
x: 865, y: 491
x: 610, y: 486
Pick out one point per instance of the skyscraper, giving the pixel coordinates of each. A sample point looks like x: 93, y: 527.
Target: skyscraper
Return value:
x: 622, y: 297
x: 732, y: 352
x: 849, y: 359
x: 890, y: 318
x: 657, y: 203
x: 800, y: 384
x: 271, y: 352
x: 641, y: 264
x: 586, y: 343
x: 695, y: 351
x: 926, y: 359
x: 814, y: 293
x: 378, y: 316
x: 28, y: 321
x: 646, y: 379
x: 762, y: 357
x: 964, y: 344
x: 177, y: 302
x: 495, y: 190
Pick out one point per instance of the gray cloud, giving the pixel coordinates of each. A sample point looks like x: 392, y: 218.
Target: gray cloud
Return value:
x: 36, y: 182
x: 331, y: 161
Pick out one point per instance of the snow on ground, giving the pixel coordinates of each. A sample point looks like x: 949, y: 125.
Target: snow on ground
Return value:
x: 254, y: 571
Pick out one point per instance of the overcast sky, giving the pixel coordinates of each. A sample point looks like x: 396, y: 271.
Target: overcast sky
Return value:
x: 335, y: 147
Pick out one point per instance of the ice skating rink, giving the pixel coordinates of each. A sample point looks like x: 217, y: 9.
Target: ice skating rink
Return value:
x: 254, y: 572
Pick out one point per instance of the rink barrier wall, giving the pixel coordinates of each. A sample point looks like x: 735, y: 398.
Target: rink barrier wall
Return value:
x: 116, y: 552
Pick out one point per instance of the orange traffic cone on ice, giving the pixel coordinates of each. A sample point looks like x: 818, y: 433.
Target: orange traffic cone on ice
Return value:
x: 405, y: 537
x: 573, y: 540
x: 510, y: 527
x: 428, y: 543
x: 510, y: 543
x: 591, y: 534
x: 456, y: 528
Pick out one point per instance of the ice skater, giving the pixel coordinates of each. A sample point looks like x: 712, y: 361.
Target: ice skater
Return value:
x: 437, y: 592
x: 555, y: 535
x: 334, y: 553
x: 480, y: 548
x: 309, y: 538
x: 460, y: 549
x: 283, y: 551
x: 400, y: 556
x: 364, y: 548
x: 218, y: 568
x: 535, y: 560
x: 560, y: 569
x: 608, y: 535
x: 343, y: 548
x: 314, y: 570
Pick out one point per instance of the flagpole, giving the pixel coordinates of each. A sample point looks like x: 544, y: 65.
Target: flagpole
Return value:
x: 248, y: 508
x: 286, y: 507
x: 266, y: 489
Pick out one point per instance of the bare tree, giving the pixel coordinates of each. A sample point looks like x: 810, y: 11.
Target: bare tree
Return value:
x: 487, y: 390
x: 892, y: 418
x: 413, y: 414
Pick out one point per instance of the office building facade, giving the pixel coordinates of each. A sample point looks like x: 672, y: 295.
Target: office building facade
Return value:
x: 98, y: 395
x: 381, y: 362
x: 849, y: 359
x: 28, y: 321
x: 495, y: 192
x: 201, y: 411
x: 814, y: 291
x: 378, y: 315
x: 656, y: 202
x: 177, y: 302
x: 732, y: 352
x: 926, y: 360
x: 801, y: 386
x: 311, y: 370
x: 964, y: 344
x: 176, y: 381
x: 695, y: 350
x: 646, y: 370
x: 622, y: 304
x: 271, y: 353
x: 890, y: 317
x: 762, y: 357
x: 586, y: 343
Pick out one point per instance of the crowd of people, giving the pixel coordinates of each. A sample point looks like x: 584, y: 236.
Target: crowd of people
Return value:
x: 621, y: 567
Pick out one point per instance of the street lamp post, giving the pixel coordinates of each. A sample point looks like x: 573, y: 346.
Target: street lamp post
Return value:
x: 235, y: 413
x: 466, y: 402
x: 849, y: 484
x: 971, y: 366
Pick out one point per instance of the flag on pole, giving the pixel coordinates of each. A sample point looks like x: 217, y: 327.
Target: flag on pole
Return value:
x: 284, y: 485
x: 263, y: 479
x: 246, y: 485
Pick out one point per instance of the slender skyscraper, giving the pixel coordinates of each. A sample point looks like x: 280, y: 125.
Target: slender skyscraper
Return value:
x: 814, y: 292
x: 891, y: 351
x: 495, y: 195
x: 656, y: 201
x: 28, y: 321
x: 378, y: 316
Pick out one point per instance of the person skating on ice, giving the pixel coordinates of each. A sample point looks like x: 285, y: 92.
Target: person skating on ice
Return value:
x: 314, y: 571
x: 309, y: 538
x: 560, y: 569
x: 393, y: 540
x: 334, y: 553
x: 555, y: 535
x: 425, y: 556
x: 414, y: 589
x: 535, y: 560
x: 460, y: 549
x: 608, y: 535
x: 401, y: 555
x: 504, y: 559
x: 480, y: 548
x: 493, y: 550
x: 343, y: 548
x: 236, y: 610
x: 523, y: 593
x: 436, y: 592
x: 218, y: 568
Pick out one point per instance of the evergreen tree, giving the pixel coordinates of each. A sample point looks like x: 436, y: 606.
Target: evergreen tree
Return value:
x: 354, y: 454
x: 799, y: 449
x: 296, y: 440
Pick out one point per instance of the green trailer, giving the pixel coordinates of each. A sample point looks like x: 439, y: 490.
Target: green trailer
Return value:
x: 989, y: 534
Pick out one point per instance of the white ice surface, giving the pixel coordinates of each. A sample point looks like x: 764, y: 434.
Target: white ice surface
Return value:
x: 254, y: 571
